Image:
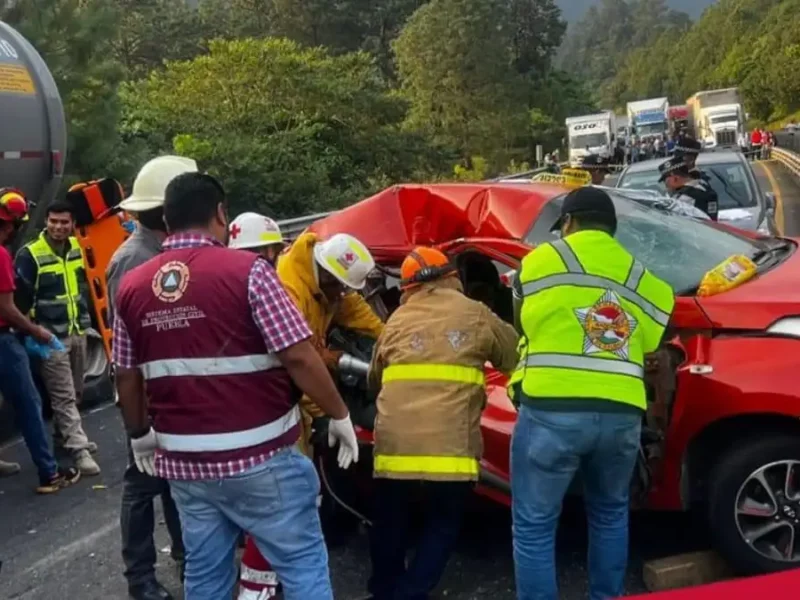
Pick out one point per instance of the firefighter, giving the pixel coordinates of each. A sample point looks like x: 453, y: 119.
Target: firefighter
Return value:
x: 597, y: 167
x: 137, y: 518
x: 676, y: 176
x: 218, y: 342
x: 588, y: 313
x: 257, y: 233
x: 429, y: 366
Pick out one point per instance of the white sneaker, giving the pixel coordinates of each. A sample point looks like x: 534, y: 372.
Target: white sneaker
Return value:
x: 86, y: 464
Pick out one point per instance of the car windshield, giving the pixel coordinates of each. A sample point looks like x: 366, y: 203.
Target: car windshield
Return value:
x: 729, y: 180
x: 677, y: 249
x: 650, y: 128
x: 725, y: 119
x: 592, y: 140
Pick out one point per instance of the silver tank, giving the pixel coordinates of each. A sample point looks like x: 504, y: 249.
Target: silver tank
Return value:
x: 33, y: 133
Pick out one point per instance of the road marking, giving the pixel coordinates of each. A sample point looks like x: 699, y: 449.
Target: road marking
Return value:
x: 776, y: 189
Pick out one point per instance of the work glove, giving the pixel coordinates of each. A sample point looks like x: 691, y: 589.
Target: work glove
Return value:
x: 342, y: 430
x: 144, y: 452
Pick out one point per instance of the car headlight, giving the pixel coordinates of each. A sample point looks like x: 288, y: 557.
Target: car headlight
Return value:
x: 789, y: 326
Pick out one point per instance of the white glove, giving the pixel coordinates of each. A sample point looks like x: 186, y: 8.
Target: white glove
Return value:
x: 342, y: 430
x: 144, y: 452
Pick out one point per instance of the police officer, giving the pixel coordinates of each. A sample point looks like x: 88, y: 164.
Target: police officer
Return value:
x: 588, y: 312
x: 688, y: 149
x: 676, y: 176
x: 597, y: 167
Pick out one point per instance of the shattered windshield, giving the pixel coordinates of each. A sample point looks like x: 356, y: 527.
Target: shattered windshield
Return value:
x: 677, y: 249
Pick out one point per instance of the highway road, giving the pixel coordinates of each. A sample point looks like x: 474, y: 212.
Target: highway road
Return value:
x: 68, y: 545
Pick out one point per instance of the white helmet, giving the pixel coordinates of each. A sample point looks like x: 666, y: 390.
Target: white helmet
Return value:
x: 251, y: 230
x: 346, y: 258
x: 152, y: 181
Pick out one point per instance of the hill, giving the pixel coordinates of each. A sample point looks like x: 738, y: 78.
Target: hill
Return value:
x: 573, y: 10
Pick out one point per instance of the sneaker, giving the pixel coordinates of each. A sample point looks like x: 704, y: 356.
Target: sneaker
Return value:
x: 86, y: 464
x: 8, y: 469
x: 62, y: 452
x: 63, y: 478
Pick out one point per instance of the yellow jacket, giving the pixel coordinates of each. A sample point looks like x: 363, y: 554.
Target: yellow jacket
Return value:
x: 296, y: 272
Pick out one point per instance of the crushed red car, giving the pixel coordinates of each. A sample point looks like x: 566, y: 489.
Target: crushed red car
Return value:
x: 721, y: 434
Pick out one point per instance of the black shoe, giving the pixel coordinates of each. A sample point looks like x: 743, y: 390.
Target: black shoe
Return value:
x: 152, y: 590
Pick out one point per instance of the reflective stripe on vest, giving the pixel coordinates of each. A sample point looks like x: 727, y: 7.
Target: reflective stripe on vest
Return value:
x: 208, y: 367
x: 578, y: 277
x: 72, y: 301
x: 444, y: 465
x: 220, y: 442
x: 585, y: 363
x: 433, y: 372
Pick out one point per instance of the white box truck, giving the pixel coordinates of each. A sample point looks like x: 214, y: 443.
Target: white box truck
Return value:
x: 591, y: 134
x: 649, y: 118
x: 718, y: 117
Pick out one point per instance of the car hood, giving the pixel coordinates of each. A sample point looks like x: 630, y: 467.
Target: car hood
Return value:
x: 760, y: 302
x: 742, y: 218
x: 394, y: 221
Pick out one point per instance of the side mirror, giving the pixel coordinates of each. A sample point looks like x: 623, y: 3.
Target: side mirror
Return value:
x: 769, y: 197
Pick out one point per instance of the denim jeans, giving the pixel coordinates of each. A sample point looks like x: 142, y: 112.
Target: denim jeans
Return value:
x: 17, y: 387
x: 276, y: 503
x: 547, y: 450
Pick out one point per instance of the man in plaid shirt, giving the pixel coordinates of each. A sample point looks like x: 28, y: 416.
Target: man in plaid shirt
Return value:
x: 219, y: 343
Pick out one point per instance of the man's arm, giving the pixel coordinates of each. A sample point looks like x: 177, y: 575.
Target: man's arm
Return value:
x: 8, y: 310
x: 26, y: 275
x: 129, y: 382
x: 286, y: 334
x: 503, y: 338
x: 375, y: 376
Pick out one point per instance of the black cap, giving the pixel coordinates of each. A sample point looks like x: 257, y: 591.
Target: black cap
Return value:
x: 676, y: 164
x: 594, y: 161
x: 589, y: 202
x: 688, y: 145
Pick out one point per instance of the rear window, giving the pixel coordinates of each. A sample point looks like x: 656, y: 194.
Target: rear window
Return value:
x: 729, y: 180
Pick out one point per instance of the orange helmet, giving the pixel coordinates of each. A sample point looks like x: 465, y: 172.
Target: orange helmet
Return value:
x: 13, y: 206
x: 424, y: 264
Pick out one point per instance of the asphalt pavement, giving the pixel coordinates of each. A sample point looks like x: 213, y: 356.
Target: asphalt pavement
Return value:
x: 68, y: 545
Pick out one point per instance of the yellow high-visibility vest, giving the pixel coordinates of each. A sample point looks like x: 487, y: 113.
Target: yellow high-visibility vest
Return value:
x: 590, y: 312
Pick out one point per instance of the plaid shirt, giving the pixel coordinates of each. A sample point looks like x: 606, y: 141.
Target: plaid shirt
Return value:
x: 281, y: 326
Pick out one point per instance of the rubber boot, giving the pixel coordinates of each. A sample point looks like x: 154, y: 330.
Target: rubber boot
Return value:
x: 257, y: 580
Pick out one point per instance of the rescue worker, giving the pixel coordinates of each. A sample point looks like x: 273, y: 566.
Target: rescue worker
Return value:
x: 682, y: 186
x: 16, y: 379
x: 321, y: 277
x: 597, y: 167
x: 137, y: 518
x: 260, y: 234
x: 257, y: 233
x: 218, y: 341
x: 52, y: 286
x: 429, y: 367
x: 589, y: 312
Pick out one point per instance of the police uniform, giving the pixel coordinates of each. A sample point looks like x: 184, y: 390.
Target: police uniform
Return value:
x: 688, y: 147
x: 595, y: 163
x: 696, y: 192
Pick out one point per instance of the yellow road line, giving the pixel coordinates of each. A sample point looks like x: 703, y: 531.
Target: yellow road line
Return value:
x: 776, y: 189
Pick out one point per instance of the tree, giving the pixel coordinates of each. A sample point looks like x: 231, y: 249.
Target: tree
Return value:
x: 538, y: 32
x: 454, y: 61
x: 290, y: 130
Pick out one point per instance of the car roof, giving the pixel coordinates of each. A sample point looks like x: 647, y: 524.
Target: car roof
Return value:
x: 716, y: 157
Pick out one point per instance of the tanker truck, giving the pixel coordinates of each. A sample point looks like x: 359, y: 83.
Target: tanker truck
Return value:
x: 33, y: 146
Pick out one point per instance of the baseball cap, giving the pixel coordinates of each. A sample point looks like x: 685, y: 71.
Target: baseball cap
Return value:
x: 676, y: 164
x: 591, y: 202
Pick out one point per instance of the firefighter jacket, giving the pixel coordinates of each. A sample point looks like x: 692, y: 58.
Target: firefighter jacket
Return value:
x: 296, y: 271
x: 590, y: 312
x: 56, y: 285
x: 429, y: 363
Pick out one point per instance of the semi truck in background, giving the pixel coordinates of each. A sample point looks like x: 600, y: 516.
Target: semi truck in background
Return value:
x: 33, y: 148
x: 649, y: 118
x: 591, y: 134
x: 717, y: 117
x: 679, y: 118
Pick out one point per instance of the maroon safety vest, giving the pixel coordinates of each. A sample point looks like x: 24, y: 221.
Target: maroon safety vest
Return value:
x: 216, y: 392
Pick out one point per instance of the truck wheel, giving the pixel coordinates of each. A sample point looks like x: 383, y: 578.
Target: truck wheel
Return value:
x: 754, y: 505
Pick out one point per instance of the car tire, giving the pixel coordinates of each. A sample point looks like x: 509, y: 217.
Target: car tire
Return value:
x: 734, y: 491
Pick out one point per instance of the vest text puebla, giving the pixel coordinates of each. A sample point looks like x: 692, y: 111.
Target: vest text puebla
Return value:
x: 61, y: 290
x: 590, y: 313
x: 216, y: 393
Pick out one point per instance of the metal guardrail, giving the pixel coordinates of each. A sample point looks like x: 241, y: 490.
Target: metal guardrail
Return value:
x: 291, y: 228
x: 788, y: 158
x: 788, y: 140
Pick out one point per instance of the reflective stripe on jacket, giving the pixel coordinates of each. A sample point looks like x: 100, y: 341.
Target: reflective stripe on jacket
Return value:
x: 590, y: 313
x: 60, y: 293
x: 430, y: 363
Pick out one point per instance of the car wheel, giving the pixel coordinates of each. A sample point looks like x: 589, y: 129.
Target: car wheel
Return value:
x: 754, y: 505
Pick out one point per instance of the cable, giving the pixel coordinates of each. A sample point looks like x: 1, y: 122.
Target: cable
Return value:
x: 339, y: 501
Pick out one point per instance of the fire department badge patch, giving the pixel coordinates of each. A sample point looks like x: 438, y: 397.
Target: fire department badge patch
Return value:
x: 170, y: 281
x: 607, y: 326
x: 347, y: 259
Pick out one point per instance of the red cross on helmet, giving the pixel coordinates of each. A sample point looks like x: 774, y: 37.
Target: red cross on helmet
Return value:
x: 251, y: 230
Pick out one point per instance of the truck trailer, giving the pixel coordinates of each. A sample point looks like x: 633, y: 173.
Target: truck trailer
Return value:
x: 718, y: 117
x: 649, y: 118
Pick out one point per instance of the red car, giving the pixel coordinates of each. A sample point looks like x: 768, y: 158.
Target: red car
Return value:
x: 721, y: 434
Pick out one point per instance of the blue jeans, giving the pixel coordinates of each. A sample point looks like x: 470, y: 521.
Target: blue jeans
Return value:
x: 17, y: 387
x: 276, y: 503
x: 547, y: 449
